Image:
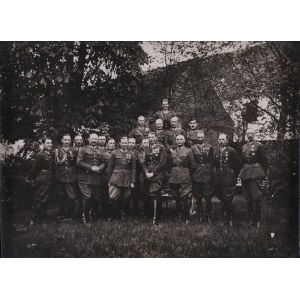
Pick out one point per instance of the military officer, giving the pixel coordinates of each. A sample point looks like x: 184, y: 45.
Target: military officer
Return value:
x: 78, y: 142
x: 153, y: 162
x: 253, y: 172
x: 165, y: 114
x: 203, y: 175
x: 227, y: 166
x: 160, y: 133
x: 173, y: 133
x: 65, y: 179
x: 191, y: 136
x: 90, y: 162
x: 140, y: 132
x: 42, y: 174
x: 182, y: 165
x: 121, y: 174
x: 102, y: 142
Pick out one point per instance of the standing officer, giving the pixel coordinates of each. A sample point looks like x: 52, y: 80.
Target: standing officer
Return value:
x: 42, y: 174
x: 227, y: 169
x: 173, y: 133
x: 102, y: 142
x: 254, y: 169
x: 78, y: 142
x: 183, y: 164
x: 165, y: 114
x: 160, y: 133
x: 154, y: 164
x: 203, y: 176
x: 90, y: 162
x: 65, y: 178
x: 191, y: 136
x: 121, y: 175
x: 140, y: 132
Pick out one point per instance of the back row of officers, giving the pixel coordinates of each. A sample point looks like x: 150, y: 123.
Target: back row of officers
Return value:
x: 100, y: 179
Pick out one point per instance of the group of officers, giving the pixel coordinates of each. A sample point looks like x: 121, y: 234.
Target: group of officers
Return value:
x: 100, y: 179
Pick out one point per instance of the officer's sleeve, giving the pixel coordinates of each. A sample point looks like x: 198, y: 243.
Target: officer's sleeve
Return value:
x: 103, y: 163
x: 162, y: 161
x: 192, y: 162
x: 236, y: 162
x: 111, y: 164
x: 133, y: 168
x: 36, y: 167
x: 262, y: 157
x: 142, y: 161
x: 80, y: 160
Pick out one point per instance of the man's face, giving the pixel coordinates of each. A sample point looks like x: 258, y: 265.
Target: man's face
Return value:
x: 222, y: 140
x: 93, y: 139
x: 174, y: 123
x: 102, y: 140
x: 165, y: 105
x: 200, y: 137
x: 66, y: 141
x: 48, y: 144
x: 111, y: 144
x: 152, y: 138
x: 159, y: 124
x: 141, y: 121
x: 131, y: 144
x: 250, y: 135
x: 78, y: 141
x: 145, y: 143
x: 180, y: 140
x: 124, y: 144
x: 193, y: 125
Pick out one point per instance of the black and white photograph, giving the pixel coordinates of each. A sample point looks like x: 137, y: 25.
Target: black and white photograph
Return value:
x: 145, y: 149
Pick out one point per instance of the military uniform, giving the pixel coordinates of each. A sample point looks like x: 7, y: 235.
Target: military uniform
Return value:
x: 89, y: 181
x: 203, y: 177
x: 191, y: 137
x: 65, y: 181
x: 183, y: 164
x: 161, y: 137
x: 171, y: 137
x: 227, y: 166
x: 166, y: 117
x: 139, y: 133
x: 121, y: 172
x: 153, y: 160
x: 255, y: 165
x: 42, y: 174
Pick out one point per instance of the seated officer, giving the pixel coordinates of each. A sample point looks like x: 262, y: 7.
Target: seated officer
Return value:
x: 121, y: 176
x: 91, y: 163
x: 42, y: 174
x: 182, y: 165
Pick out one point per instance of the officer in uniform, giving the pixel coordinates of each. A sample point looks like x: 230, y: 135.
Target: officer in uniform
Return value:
x: 203, y: 175
x: 121, y: 174
x: 172, y: 134
x: 165, y: 114
x: 183, y: 164
x: 227, y: 166
x: 91, y: 163
x: 42, y: 174
x: 140, y: 132
x: 154, y: 164
x: 160, y: 133
x: 191, y: 136
x: 65, y: 179
x: 254, y: 169
x: 78, y: 142
x: 102, y: 142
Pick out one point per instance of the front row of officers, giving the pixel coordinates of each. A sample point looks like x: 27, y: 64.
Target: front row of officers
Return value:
x: 99, y: 178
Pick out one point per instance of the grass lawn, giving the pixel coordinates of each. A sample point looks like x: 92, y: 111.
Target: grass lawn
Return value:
x: 138, y: 238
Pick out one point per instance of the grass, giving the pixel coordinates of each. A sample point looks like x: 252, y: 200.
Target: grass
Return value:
x: 138, y: 238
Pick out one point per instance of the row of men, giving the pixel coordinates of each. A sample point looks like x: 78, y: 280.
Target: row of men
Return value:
x: 99, y: 174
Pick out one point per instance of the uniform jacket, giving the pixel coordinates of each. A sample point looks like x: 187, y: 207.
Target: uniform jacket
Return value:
x: 43, y: 167
x: 191, y: 137
x: 165, y: 117
x: 87, y: 158
x: 65, y: 164
x: 171, y: 137
x: 161, y: 137
x: 183, y: 164
x: 204, y: 157
x: 227, y: 164
x: 139, y: 134
x: 254, y: 161
x: 121, y: 168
